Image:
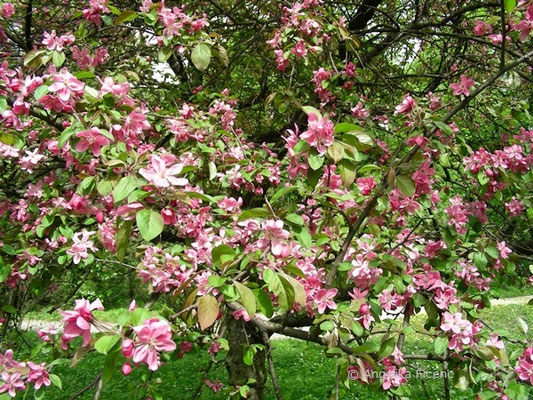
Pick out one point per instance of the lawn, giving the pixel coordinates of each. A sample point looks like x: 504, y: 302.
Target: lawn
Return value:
x: 303, y: 371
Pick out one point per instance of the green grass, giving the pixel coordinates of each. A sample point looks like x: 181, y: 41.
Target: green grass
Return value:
x: 304, y: 373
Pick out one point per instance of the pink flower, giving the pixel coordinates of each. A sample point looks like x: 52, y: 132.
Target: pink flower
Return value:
x: 365, y: 185
x: 504, y: 250
x: 159, y: 175
x: 406, y: 106
x: 482, y: 28
x: 57, y: 43
x: 454, y: 323
x: 514, y: 207
x: 80, y: 245
x: 78, y: 321
x: 66, y: 85
x: 92, y: 139
x: 463, y: 87
x: 12, y: 383
x: 241, y: 313
x: 525, y: 26
x: 394, y: 376
x: 126, y: 368
x: 324, y: 299
x: 153, y: 337
x: 215, y: 386
x: 38, y: 375
x: 299, y: 50
x: 319, y: 133
x: 275, y: 236
x: 494, y: 341
x: 524, y: 368
x: 360, y: 112
x: 7, y: 10
x: 214, y: 347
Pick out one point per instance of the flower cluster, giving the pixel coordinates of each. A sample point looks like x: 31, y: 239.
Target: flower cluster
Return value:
x: 151, y: 338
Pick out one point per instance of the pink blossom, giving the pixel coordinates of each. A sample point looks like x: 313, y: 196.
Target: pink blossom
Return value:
x: 360, y: 112
x: 526, y: 25
x: 463, y: 87
x: 126, y: 368
x: 365, y: 185
x: 66, y: 85
x: 92, y: 139
x: 482, y: 28
x: 504, y: 250
x: 12, y: 383
x: 52, y: 42
x: 80, y: 245
x: 515, y: 207
x: 394, y: 376
x: 275, y: 236
x: 153, y: 337
x: 494, y: 341
x: 319, y: 133
x: 78, y: 321
x: 299, y: 50
x: 241, y: 313
x: 7, y: 10
x: 324, y: 299
x: 159, y: 175
x: 524, y: 368
x: 38, y: 375
x: 215, y: 386
x: 454, y: 323
x: 406, y: 105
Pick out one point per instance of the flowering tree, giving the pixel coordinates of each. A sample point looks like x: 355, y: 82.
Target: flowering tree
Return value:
x: 260, y: 166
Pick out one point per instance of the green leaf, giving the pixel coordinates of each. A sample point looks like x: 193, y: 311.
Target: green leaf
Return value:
x: 104, y: 188
x: 282, y: 193
x: 336, y: 152
x: 480, y: 260
x: 445, y: 128
x: 492, y: 251
x: 254, y: 213
x: 386, y: 348
x: 295, y: 219
x: 65, y: 136
x: 125, y: 186
x: 406, y: 185
x: 516, y: 391
x: 264, y: 304
x: 125, y: 16
x: 440, y: 344
x: 304, y: 237
x: 109, y: 366
x: 122, y: 238
x: 58, y: 58
x: 247, y: 298
x: 347, y: 172
x: 201, y: 56
x: 106, y: 343
x: 5, y: 270
x: 40, y: 92
x: 347, y: 127
x: 207, y: 311
x: 139, y: 315
x: 311, y: 110
x: 56, y: 380
x: 315, y: 160
x: 222, y: 254
x: 509, y: 5
x: 248, y: 355
x: 150, y: 224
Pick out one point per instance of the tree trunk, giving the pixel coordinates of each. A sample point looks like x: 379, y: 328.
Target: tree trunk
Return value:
x: 239, y: 336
